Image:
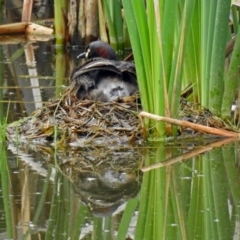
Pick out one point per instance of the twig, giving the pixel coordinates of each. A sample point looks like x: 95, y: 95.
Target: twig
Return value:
x: 194, y: 126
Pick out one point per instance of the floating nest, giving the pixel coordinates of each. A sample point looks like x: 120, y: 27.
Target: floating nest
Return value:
x: 69, y: 120
x: 80, y: 122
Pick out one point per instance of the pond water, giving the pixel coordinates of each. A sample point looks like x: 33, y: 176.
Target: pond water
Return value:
x: 153, y: 192
x: 183, y: 191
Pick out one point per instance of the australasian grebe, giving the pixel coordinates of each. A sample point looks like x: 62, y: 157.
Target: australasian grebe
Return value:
x: 102, y: 77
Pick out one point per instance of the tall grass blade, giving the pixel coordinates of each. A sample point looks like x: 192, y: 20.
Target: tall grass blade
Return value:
x: 220, y: 194
x: 177, y: 64
x: 97, y: 228
x: 126, y: 218
x: 195, y: 216
x: 231, y: 80
x: 60, y: 70
x: 218, y: 55
x: 134, y: 34
x: 209, y: 216
x: 151, y: 223
x: 208, y: 10
x: 6, y: 194
x: 116, y: 15
x: 233, y: 178
x: 235, y: 17
x: 192, y: 67
x: 41, y: 203
x: 60, y: 11
x: 178, y: 208
x: 110, y: 24
x: 82, y: 214
x: 102, y: 23
x: 53, y: 211
x: 159, y: 80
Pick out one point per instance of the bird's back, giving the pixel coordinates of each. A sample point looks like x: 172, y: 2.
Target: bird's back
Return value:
x: 104, y: 80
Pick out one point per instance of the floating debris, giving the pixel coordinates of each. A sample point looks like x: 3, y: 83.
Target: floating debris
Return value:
x: 80, y: 122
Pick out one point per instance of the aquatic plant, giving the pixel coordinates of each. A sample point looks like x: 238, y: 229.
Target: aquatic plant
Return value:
x: 179, y: 44
x: 111, y: 22
x: 60, y: 11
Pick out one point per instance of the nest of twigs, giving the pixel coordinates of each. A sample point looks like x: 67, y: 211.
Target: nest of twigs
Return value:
x: 195, y: 113
x: 70, y: 120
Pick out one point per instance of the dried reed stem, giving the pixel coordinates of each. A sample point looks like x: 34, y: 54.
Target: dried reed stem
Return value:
x: 27, y: 10
x: 187, y: 124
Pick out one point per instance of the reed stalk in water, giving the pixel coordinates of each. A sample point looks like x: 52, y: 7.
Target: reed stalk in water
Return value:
x: 175, y: 45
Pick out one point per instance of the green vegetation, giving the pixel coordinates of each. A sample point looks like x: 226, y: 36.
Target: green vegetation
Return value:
x: 180, y: 43
x: 189, y: 200
x: 112, y: 16
x: 60, y: 12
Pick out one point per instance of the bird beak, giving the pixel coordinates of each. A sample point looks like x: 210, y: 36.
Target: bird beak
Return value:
x: 82, y: 55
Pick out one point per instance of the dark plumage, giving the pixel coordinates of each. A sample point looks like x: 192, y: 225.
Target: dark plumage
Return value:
x: 102, y: 77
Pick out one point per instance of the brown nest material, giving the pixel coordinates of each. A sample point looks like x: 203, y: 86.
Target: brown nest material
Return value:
x: 85, y: 122
x: 70, y: 120
x: 195, y: 113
